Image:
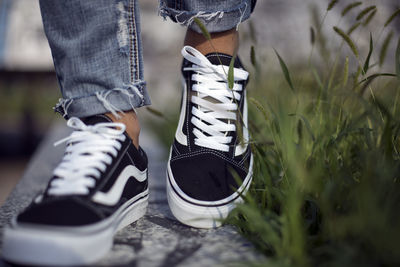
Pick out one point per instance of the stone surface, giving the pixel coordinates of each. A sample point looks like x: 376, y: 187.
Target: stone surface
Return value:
x: 155, y: 240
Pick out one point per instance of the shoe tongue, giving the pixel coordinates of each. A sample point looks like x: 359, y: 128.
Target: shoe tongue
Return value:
x: 218, y: 58
x: 92, y: 120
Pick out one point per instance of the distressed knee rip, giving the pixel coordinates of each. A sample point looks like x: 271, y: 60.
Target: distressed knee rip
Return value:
x: 123, y: 29
x: 129, y: 91
x: 186, y: 18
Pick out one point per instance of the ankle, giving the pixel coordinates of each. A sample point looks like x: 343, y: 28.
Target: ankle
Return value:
x: 131, y: 121
x: 226, y: 42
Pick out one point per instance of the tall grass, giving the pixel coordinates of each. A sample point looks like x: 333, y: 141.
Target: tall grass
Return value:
x: 326, y: 188
x: 326, y: 183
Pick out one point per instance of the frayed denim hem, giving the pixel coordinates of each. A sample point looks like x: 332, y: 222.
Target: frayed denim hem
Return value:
x: 214, y: 21
x: 115, y: 101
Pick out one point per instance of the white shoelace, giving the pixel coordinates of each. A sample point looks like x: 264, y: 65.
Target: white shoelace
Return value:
x: 213, y: 120
x: 86, y: 156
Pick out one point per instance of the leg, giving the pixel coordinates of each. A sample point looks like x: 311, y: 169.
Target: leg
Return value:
x: 100, y: 185
x: 221, y: 18
x: 210, y: 165
x: 96, y: 48
x: 226, y: 42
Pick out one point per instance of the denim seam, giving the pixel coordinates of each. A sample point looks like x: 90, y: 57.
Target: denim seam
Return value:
x: 133, y: 49
x: 131, y: 36
x: 136, y: 58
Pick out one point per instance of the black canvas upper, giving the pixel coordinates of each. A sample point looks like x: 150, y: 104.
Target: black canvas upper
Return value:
x: 74, y: 210
x: 203, y: 173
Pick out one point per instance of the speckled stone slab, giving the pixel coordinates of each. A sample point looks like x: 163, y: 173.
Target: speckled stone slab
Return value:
x: 155, y: 240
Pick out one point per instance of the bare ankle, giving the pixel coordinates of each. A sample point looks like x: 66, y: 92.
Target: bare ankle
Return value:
x: 226, y: 42
x: 131, y: 121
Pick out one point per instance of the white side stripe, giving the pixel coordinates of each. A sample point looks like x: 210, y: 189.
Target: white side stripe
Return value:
x: 241, y: 148
x: 113, y: 195
x: 179, y: 135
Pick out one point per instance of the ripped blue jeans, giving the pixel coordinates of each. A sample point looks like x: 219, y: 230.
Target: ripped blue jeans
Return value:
x: 97, y: 50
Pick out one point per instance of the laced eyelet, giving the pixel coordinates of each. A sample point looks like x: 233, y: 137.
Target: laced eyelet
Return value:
x: 216, y: 105
x: 87, y: 154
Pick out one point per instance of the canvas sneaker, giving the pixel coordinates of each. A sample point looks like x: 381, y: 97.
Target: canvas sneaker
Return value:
x: 210, y: 163
x: 99, y: 187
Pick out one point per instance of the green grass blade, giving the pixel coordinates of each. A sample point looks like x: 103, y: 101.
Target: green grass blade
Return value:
x: 307, y: 124
x: 391, y: 18
x: 317, y: 79
x: 203, y: 28
x: 369, y: 18
x: 285, y: 71
x: 365, y: 11
x: 367, y: 81
x: 371, y: 48
x: 385, y: 45
x: 332, y: 75
x: 320, y: 86
x: 260, y: 107
x: 373, y: 76
x: 312, y: 35
x: 348, y: 40
x: 332, y: 4
x: 353, y: 28
x: 349, y: 7
x: 155, y: 112
x: 397, y: 59
x: 253, y: 56
x: 231, y: 79
x: 345, y: 72
x: 356, y: 76
x: 300, y: 130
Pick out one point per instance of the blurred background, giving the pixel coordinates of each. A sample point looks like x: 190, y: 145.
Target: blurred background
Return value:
x: 29, y: 90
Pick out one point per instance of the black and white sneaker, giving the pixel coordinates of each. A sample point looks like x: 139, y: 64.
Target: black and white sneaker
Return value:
x: 210, y: 167
x: 99, y: 187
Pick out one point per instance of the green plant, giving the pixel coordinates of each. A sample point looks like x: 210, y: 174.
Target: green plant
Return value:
x: 326, y: 143
x: 326, y: 188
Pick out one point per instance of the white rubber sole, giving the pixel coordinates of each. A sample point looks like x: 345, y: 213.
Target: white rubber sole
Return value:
x: 203, y: 214
x: 66, y: 246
